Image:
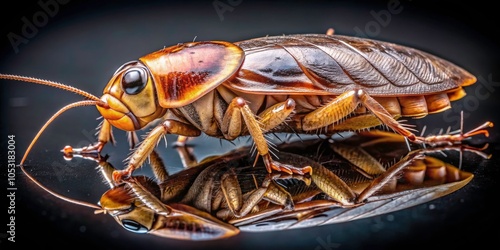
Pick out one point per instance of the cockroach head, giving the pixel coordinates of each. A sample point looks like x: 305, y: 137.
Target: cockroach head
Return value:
x: 131, y: 98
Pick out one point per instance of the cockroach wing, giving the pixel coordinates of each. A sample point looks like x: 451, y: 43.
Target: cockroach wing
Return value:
x: 185, y: 72
x: 333, y: 64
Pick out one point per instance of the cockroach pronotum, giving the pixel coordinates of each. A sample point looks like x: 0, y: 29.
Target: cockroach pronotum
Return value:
x: 308, y: 83
x: 222, y: 195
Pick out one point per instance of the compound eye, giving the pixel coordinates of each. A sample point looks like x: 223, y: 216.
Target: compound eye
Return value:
x: 134, y: 226
x: 134, y: 80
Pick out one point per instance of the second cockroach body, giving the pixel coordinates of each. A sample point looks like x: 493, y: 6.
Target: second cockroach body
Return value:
x: 298, y: 84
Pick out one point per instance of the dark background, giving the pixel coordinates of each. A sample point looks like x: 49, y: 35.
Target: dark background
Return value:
x: 82, y: 44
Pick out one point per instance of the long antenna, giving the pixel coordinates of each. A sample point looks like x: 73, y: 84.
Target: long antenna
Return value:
x: 82, y: 203
x: 93, y: 100
x: 52, y: 84
x: 65, y: 108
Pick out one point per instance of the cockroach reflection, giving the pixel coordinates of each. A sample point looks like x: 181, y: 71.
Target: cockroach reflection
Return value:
x: 364, y: 175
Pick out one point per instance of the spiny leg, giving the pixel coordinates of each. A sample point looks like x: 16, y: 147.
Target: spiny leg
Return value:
x: 231, y: 127
x: 357, y: 122
x: 378, y: 110
x: 430, y: 140
x: 450, y: 139
x: 240, y: 205
x: 381, y: 113
x: 158, y: 167
x: 364, y: 162
x: 146, y: 147
x: 332, y: 112
x: 333, y: 186
x: 346, y: 103
x: 105, y: 135
x: 276, y: 114
x: 384, y: 178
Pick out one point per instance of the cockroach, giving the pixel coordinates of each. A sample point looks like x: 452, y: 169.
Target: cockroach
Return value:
x: 307, y: 83
x: 224, y: 194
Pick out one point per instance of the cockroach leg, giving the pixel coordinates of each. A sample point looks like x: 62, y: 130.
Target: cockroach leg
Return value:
x: 105, y: 136
x: 106, y: 170
x: 240, y: 207
x: 430, y: 140
x: 381, y: 137
x: 145, y: 148
x: 132, y: 139
x: 364, y: 162
x: 287, y: 168
x: 181, y: 141
x: 158, y: 167
x: 188, y: 159
x: 105, y: 133
x: 385, y: 117
x: 147, y: 198
x: 277, y: 194
x: 450, y: 139
x: 274, y: 116
x: 333, y: 186
x: 343, y: 105
x: 357, y: 122
x: 332, y: 112
x: 391, y: 172
x: 231, y: 191
x: 93, y: 149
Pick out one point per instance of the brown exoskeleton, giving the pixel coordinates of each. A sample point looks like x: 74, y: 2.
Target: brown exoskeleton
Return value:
x: 221, y: 195
x: 298, y: 84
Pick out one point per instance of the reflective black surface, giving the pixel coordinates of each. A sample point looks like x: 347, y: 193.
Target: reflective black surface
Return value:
x: 82, y: 44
